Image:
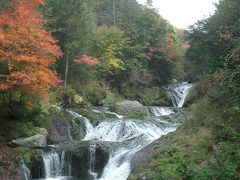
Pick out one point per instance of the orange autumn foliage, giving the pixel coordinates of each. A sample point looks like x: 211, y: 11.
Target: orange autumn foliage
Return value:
x: 26, y: 51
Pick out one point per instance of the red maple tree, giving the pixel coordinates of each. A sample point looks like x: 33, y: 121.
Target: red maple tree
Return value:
x: 26, y: 51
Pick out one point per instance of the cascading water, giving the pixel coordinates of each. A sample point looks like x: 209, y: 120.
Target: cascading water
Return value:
x: 26, y: 172
x: 159, y: 111
x: 179, y: 93
x: 92, y: 160
x: 125, y: 136
x: 53, y: 164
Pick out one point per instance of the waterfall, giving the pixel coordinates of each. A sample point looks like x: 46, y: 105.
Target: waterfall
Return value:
x: 92, y: 160
x: 26, y: 172
x: 179, y: 93
x: 124, y: 136
x: 53, y: 164
x: 159, y: 111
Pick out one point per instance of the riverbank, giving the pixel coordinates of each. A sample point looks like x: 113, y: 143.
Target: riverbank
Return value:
x: 205, y: 146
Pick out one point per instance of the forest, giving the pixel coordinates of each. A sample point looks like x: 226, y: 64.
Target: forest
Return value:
x: 60, y: 56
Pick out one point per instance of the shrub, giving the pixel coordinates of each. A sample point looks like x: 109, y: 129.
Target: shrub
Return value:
x: 174, y: 167
x: 96, y: 92
x: 25, y: 153
x: 69, y: 97
x: 111, y: 99
x: 25, y: 129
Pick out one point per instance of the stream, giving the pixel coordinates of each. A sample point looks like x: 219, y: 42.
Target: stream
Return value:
x: 123, y: 137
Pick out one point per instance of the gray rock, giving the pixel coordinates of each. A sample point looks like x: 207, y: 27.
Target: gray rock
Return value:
x: 59, y: 131
x: 174, y: 81
x: 36, y: 141
x: 66, y: 127
x: 77, y: 126
x: 146, y: 154
x: 125, y: 107
x: 42, y: 131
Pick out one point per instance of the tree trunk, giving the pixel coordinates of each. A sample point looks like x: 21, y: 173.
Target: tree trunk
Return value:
x: 66, y: 67
x: 238, y: 8
x: 114, y: 13
x: 67, y: 48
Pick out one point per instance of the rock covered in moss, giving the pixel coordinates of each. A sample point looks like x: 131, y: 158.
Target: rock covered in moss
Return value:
x: 130, y: 108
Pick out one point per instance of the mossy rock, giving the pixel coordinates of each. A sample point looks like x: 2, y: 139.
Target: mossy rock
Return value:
x: 89, y: 114
x: 131, y: 109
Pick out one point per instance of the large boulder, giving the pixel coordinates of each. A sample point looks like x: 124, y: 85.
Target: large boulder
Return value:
x: 144, y: 156
x: 67, y: 126
x: 37, y: 141
x: 130, y: 108
x: 59, y: 131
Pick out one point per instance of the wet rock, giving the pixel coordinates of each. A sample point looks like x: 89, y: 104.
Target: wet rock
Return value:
x: 80, y: 159
x: 76, y: 159
x: 93, y: 117
x: 36, y: 166
x: 77, y: 128
x: 66, y: 127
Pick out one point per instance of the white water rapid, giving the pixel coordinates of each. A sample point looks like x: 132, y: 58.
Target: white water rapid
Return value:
x: 125, y: 136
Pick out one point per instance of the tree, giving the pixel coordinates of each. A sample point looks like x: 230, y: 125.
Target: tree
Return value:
x: 73, y: 24
x: 149, y: 3
x: 146, y: 32
x: 6, y: 4
x: 212, y: 39
x: 26, y: 53
x: 108, y: 48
